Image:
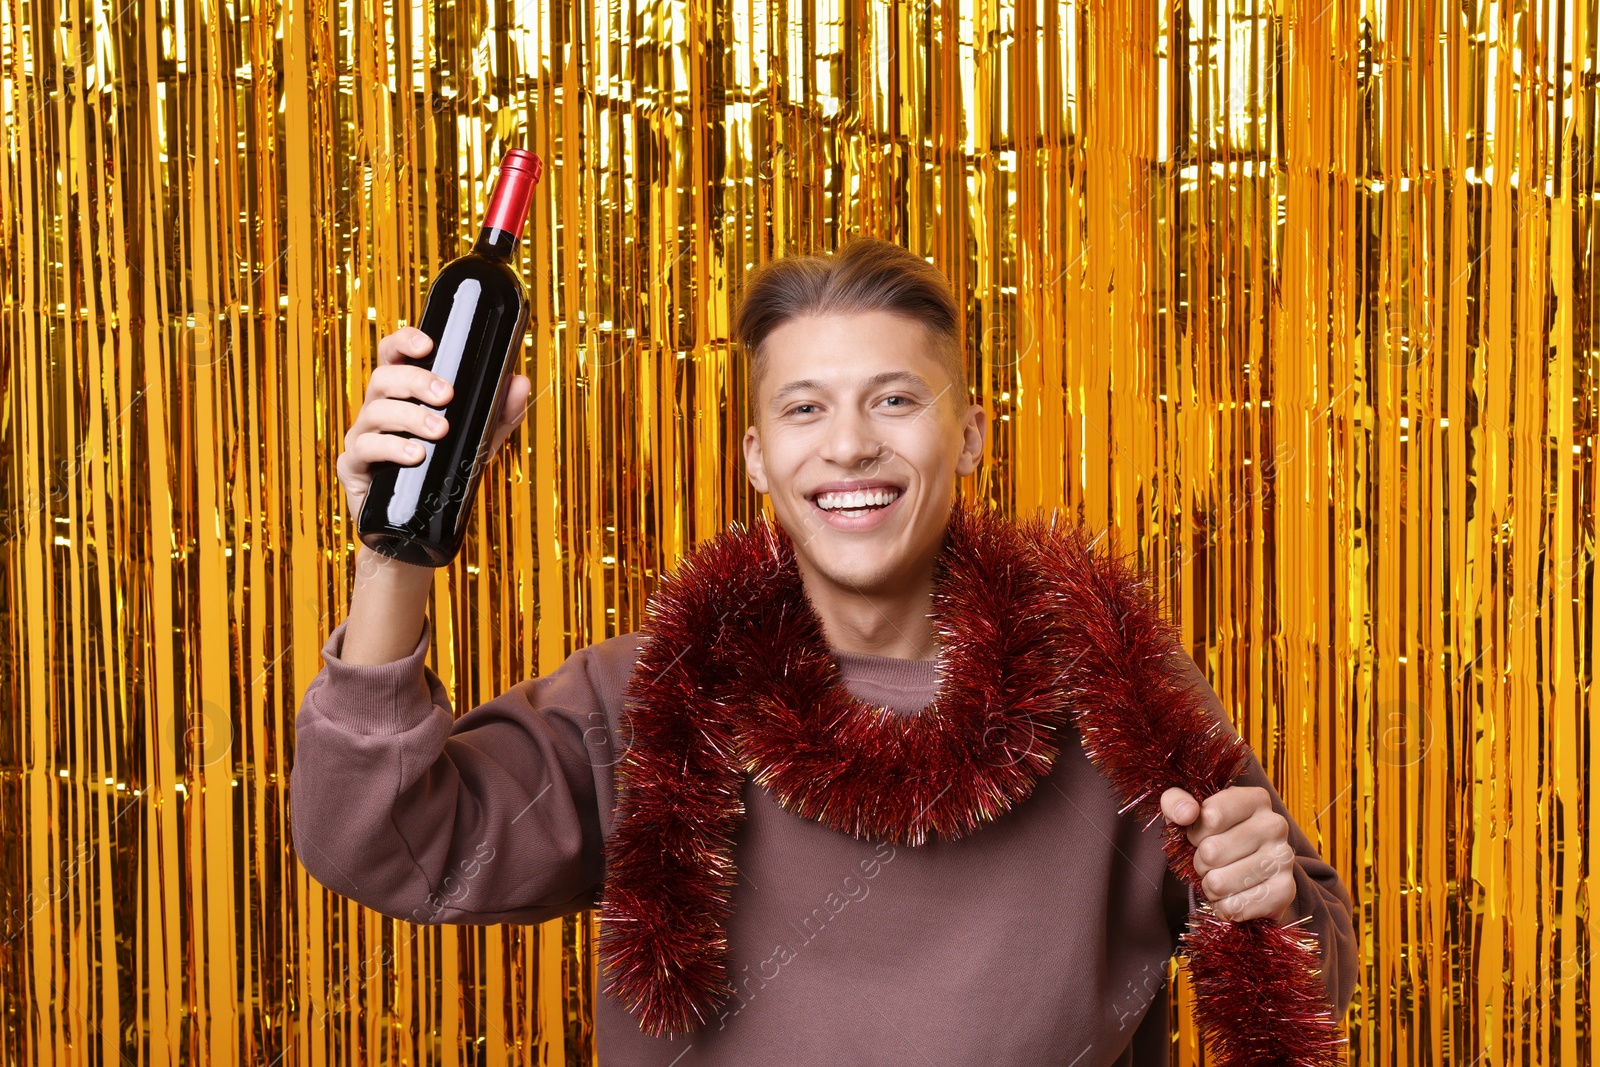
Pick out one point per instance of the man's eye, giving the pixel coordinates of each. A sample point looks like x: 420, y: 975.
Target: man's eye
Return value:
x: 798, y: 409
x: 904, y: 400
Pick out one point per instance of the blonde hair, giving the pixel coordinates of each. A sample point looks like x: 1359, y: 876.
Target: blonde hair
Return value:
x: 868, y: 274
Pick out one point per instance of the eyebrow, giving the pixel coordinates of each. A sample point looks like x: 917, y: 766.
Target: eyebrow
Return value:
x: 885, y: 378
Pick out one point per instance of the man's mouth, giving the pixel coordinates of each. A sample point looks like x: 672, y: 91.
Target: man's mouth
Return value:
x: 855, y: 503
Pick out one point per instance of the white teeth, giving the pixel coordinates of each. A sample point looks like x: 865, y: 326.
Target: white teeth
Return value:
x: 852, y: 501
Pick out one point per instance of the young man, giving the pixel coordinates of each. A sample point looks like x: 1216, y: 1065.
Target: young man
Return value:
x: 1040, y: 937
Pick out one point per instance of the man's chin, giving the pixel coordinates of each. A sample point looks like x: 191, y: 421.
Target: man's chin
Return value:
x: 868, y: 586
x: 869, y: 577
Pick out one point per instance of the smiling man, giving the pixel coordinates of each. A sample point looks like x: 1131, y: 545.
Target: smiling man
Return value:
x: 798, y: 858
x: 862, y: 428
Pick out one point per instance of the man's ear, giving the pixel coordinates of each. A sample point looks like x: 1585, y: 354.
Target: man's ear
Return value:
x: 755, y: 468
x: 974, y: 436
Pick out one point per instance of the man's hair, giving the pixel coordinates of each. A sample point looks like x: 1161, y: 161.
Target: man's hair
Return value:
x: 868, y: 274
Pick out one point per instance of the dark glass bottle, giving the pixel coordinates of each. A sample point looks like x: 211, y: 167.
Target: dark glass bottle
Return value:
x: 476, y: 313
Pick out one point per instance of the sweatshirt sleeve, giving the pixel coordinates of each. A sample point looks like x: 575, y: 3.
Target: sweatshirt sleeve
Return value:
x: 1321, y: 897
x: 497, y: 816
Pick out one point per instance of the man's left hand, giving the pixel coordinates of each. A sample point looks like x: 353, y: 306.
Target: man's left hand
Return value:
x: 1242, y: 851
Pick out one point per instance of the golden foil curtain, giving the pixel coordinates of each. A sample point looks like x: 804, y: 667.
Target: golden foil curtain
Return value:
x: 1301, y: 299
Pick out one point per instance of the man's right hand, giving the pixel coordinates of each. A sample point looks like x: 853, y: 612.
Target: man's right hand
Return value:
x: 388, y: 410
x: 389, y: 603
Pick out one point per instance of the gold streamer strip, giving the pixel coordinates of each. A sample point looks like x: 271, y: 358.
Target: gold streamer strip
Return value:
x: 1300, y: 299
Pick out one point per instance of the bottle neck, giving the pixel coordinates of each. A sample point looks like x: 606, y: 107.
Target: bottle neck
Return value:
x: 508, y: 205
x: 495, y: 243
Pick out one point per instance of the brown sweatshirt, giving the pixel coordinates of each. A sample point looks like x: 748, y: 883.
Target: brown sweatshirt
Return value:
x: 1041, y: 938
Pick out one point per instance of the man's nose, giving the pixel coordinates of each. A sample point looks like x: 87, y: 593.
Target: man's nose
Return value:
x: 850, y: 441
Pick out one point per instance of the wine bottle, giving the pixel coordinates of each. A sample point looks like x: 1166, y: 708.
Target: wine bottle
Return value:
x: 475, y: 313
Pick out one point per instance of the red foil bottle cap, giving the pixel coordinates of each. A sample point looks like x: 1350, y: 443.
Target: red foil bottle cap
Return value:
x: 513, y: 192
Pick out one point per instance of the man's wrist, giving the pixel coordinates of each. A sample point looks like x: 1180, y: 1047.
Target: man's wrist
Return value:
x: 387, y: 608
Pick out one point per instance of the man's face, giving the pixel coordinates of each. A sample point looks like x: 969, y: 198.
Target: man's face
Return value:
x: 858, y: 404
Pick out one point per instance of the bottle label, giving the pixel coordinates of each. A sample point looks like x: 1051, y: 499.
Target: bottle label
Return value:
x: 446, y: 364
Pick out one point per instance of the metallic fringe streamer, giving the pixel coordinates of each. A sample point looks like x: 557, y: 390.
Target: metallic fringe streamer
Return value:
x: 1300, y: 298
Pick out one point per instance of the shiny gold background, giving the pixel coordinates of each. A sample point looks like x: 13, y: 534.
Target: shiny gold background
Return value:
x: 1301, y: 299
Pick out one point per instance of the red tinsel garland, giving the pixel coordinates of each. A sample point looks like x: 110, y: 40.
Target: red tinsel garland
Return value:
x: 1037, y: 632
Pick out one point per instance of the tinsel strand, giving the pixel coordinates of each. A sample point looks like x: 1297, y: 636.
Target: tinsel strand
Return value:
x: 1038, y: 632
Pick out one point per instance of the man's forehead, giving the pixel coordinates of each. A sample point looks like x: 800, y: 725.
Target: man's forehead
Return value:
x: 840, y: 352
x: 871, y: 381
x: 849, y: 330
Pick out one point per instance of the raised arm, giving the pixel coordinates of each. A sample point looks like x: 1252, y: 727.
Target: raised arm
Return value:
x: 499, y: 815
x: 394, y: 802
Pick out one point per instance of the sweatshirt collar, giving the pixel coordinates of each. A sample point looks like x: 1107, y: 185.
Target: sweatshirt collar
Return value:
x: 911, y: 676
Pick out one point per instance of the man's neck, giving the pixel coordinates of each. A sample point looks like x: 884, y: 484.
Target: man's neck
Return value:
x: 896, y: 625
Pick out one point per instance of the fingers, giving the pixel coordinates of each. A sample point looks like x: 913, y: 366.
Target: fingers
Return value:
x: 370, y: 448
x: 408, y: 381
x: 394, y: 377
x: 407, y: 342
x: 517, y: 399
x: 1249, y: 872
x: 387, y: 413
x: 514, y: 411
x: 374, y: 437
x: 388, y: 410
x: 1227, y: 808
x: 1264, y: 829
x: 1242, y: 852
x: 1258, y: 887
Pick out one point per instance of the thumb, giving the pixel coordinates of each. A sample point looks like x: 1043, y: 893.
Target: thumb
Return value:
x: 1179, y: 807
x: 514, y: 410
